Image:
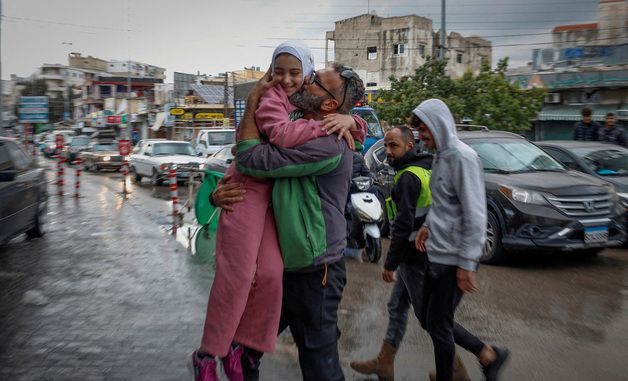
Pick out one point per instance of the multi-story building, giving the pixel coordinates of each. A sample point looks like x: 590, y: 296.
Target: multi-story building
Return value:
x: 135, y: 69
x: 586, y: 66
x: 378, y: 47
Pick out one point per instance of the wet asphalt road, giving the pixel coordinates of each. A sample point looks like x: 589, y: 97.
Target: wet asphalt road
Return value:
x: 108, y: 294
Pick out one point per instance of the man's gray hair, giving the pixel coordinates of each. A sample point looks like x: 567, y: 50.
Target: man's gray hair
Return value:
x: 353, y: 88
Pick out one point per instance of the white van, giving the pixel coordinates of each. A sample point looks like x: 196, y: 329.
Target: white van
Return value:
x: 209, y: 142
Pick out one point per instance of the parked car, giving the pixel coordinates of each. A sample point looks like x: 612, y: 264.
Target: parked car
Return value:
x: 23, y: 193
x: 374, y: 128
x: 606, y: 161
x: 221, y: 160
x: 152, y: 159
x: 535, y: 203
x: 211, y: 141
x: 101, y: 156
x: 50, y: 147
x: 77, y: 145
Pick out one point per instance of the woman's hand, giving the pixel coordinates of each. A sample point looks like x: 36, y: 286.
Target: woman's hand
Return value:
x: 266, y: 82
x: 340, y: 124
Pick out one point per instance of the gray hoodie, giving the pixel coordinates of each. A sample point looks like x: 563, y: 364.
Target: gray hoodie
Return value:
x: 457, y: 218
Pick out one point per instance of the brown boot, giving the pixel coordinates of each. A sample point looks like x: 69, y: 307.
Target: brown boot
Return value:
x: 383, y: 365
x: 460, y: 372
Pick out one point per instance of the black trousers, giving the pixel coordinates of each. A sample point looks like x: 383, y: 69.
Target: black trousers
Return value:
x: 310, y: 309
x: 442, y: 297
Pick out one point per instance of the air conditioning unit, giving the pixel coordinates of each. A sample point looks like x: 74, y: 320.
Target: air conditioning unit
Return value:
x: 552, y: 98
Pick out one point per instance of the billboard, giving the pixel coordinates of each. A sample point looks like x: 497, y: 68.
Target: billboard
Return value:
x: 33, y: 109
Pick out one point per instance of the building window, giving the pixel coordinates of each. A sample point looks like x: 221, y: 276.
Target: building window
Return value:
x: 422, y: 50
x: 371, y: 84
x: 371, y: 53
x: 399, y: 49
x: 459, y: 57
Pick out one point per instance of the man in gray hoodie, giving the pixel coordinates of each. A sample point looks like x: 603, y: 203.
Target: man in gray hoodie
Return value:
x: 453, y: 234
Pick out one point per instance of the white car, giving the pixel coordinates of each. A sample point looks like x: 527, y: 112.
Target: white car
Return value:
x: 152, y: 158
x: 210, y: 141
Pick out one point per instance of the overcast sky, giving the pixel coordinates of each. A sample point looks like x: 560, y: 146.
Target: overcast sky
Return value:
x: 212, y: 36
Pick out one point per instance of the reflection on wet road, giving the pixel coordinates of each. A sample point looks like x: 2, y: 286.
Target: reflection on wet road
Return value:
x: 108, y: 284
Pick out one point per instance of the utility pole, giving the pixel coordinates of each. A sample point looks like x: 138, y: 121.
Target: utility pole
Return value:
x: 127, y: 134
x: 226, y: 94
x: 66, y: 96
x: 443, y: 32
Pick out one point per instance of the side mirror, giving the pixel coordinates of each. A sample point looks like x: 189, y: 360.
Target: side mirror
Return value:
x: 6, y: 176
x: 200, y: 154
x: 146, y: 153
x: 229, y: 161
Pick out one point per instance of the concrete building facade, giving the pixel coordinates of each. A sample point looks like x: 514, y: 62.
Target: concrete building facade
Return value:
x: 378, y: 47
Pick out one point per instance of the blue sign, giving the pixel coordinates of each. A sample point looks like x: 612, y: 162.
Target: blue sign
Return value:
x: 240, y: 106
x: 33, y: 109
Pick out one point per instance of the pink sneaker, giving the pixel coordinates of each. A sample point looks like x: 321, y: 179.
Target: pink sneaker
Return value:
x: 204, y: 368
x: 232, y: 364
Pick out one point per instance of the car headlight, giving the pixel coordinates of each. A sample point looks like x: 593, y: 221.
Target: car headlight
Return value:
x: 201, y: 166
x: 523, y: 195
x: 163, y: 167
x: 106, y: 158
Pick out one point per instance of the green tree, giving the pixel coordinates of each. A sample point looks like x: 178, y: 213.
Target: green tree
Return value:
x: 428, y: 81
x: 487, y: 98
x: 490, y: 100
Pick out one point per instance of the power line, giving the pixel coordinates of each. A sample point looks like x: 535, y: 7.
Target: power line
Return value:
x: 468, y: 47
x: 13, y: 18
x: 469, y: 4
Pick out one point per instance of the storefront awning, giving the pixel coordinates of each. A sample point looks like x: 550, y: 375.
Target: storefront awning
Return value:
x: 573, y: 112
x: 159, y: 121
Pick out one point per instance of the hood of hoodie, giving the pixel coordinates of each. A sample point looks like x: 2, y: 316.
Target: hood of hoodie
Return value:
x: 413, y: 157
x: 298, y: 49
x: 437, y: 117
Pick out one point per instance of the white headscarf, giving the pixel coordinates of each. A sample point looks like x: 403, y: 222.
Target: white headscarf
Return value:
x: 298, y: 49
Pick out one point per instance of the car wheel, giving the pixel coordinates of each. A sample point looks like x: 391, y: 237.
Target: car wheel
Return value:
x: 493, y: 252
x: 154, y: 179
x: 40, y: 221
x: 136, y: 176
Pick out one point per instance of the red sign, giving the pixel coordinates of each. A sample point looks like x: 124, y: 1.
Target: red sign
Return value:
x: 59, y: 141
x: 124, y: 147
x: 114, y: 119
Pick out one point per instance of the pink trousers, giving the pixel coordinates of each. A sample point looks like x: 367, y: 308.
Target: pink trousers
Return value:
x: 245, y: 299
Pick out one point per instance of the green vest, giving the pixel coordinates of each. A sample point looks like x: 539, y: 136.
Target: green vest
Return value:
x: 425, y: 197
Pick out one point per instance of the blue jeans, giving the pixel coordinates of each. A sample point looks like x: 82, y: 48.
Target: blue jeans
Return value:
x: 398, y: 306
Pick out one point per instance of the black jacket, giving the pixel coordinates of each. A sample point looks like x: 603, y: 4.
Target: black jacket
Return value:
x: 587, y: 132
x: 615, y: 135
x: 405, y: 194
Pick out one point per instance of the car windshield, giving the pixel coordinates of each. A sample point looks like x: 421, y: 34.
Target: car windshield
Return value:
x: 164, y: 149
x: 374, y: 128
x: 105, y: 147
x: 80, y: 141
x: 605, y: 161
x: 219, y: 138
x: 513, y: 156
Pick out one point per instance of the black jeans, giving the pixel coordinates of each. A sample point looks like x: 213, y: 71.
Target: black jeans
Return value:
x: 442, y: 298
x: 310, y: 308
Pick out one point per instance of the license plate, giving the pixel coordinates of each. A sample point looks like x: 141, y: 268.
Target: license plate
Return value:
x: 595, y: 234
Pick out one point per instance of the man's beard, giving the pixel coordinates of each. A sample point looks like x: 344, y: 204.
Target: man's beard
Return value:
x: 306, y: 101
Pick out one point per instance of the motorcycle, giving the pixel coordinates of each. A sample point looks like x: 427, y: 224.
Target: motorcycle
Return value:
x: 365, y: 213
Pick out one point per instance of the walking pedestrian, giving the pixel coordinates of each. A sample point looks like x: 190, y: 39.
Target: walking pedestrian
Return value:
x: 586, y: 129
x: 612, y: 132
x: 453, y: 236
